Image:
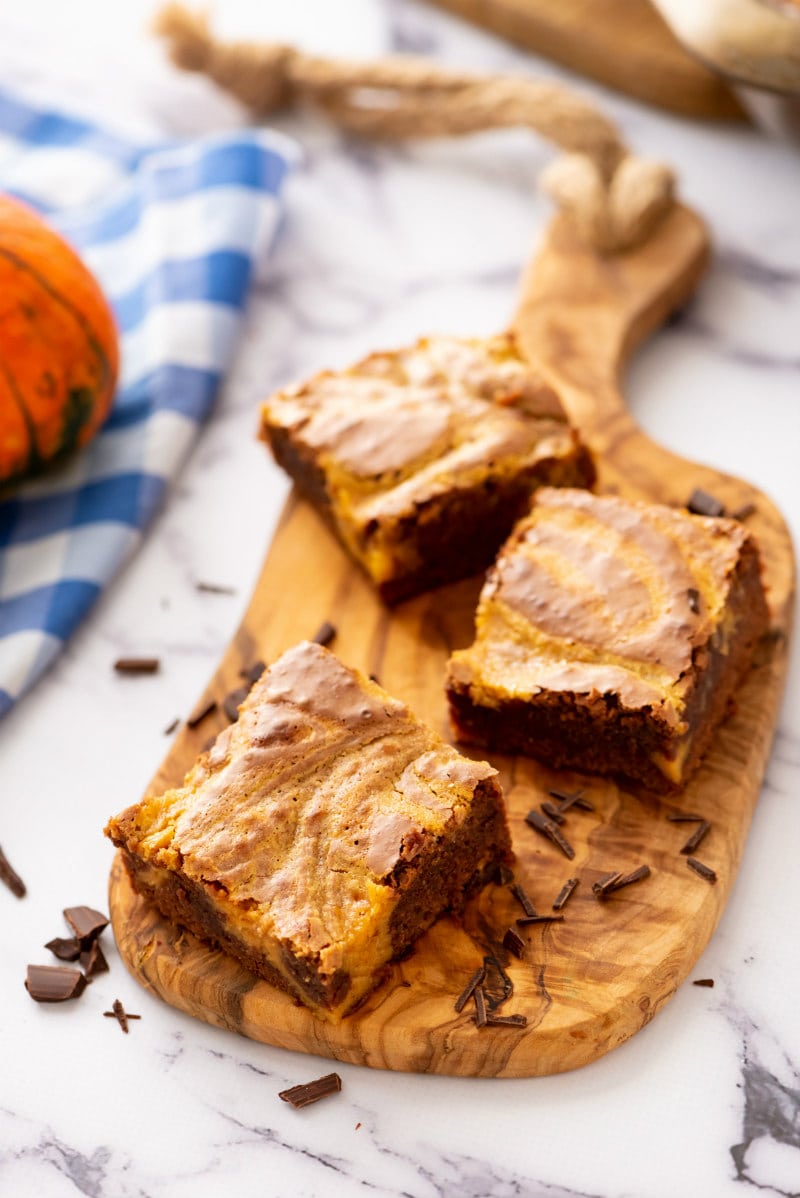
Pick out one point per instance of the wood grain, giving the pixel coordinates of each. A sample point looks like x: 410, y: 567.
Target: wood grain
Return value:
x: 589, y: 982
x: 625, y: 44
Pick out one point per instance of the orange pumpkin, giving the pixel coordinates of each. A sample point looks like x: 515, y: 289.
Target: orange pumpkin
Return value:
x: 59, y: 352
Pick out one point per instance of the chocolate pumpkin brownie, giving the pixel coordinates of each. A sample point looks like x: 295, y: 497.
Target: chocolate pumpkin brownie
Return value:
x: 320, y: 835
x: 422, y: 459
x: 610, y: 637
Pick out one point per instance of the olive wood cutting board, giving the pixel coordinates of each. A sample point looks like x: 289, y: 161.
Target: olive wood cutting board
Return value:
x: 591, y: 981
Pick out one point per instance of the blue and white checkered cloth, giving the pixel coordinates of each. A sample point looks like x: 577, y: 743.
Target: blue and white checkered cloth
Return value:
x: 172, y: 233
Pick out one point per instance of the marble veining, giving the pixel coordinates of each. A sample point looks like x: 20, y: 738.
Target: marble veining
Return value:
x: 380, y: 245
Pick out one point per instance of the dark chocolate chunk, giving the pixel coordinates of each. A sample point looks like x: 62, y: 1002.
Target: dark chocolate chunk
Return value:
x: 564, y: 894
x: 230, y: 704
x: 552, y: 811
x: 699, y: 834
x: 65, y: 949
x: 701, y: 503
x: 685, y: 817
x: 93, y: 961
x: 253, y: 673
x: 300, y: 1096
x: 325, y: 633
x: 119, y: 1013
x: 709, y: 982
x: 742, y: 513
x: 693, y: 595
x: 506, y: 1021
x: 567, y: 799
x: 699, y: 867
x: 137, y: 665
x: 527, y: 920
x: 171, y: 726
x: 514, y: 943
x: 200, y: 713
x: 552, y: 831
x: 480, y: 1006
x: 10, y: 877
x: 602, y: 885
x: 54, y: 983
x: 86, y: 923
x: 466, y: 993
x: 522, y: 898
x: 214, y: 588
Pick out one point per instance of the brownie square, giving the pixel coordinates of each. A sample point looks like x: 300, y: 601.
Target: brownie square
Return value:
x: 422, y: 459
x: 320, y: 835
x: 610, y: 637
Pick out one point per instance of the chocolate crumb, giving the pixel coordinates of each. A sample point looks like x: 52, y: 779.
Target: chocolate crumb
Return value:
x: 54, y: 983
x: 480, y: 1006
x: 11, y: 878
x: 357, y: 1126
x: 230, y: 704
x: 93, y: 961
x: 514, y: 943
x: 374, y: 678
x: 696, y: 837
x: 564, y: 894
x: 567, y: 799
x: 86, y: 923
x: 200, y: 713
x: 172, y: 726
x: 304, y: 1095
x: 119, y: 1013
x: 324, y: 634
x: 522, y: 898
x: 552, y: 811
x: 137, y: 665
x: 214, y: 588
x: 472, y: 984
x: 527, y: 920
x: 547, y: 828
x: 506, y: 1021
x: 701, y: 503
x: 253, y: 673
x: 503, y: 875
x: 66, y: 949
x: 685, y: 817
x: 709, y: 982
x: 693, y: 595
x: 699, y: 867
x: 742, y: 513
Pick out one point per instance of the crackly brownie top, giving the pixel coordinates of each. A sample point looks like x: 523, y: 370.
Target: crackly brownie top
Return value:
x: 600, y: 594
x: 400, y: 427
x: 300, y: 816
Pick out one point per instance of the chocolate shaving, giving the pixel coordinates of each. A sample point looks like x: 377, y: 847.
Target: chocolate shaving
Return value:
x: 506, y: 1021
x: 699, y: 834
x: 93, y: 961
x: 685, y: 817
x: 553, y: 812
x: 699, y: 867
x: 701, y: 503
x: 325, y: 633
x: 214, y: 588
x: 503, y: 875
x: 522, y: 898
x: 64, y: 949
x: 547, y: 828
x: 200, y: 713
x: 601, y: 886
x: 527, y: 920
x: 300, y: 1096
x: 709, y: 982
x: 567, y: 799
x: 10, y: 877
x: 137, y: 665
x: 171, y: 726
x: 230, y: 704
x: 636, y: 875
x: 480, y: 1006
x: 693, y: 595
x: 119, y: 1013
x: 514, y: 943
x: 466, y: 993
x: 497, y: 986
x: 86, y: 923
x: 742, y: 513
x: 253, y: 673
x: 54, y: 983
x: 564, y: 894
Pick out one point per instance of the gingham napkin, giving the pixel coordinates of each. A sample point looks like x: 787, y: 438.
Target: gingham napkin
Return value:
x: 171, y: 232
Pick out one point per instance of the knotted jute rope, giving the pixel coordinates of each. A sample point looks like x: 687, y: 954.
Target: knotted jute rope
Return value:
x: 613, y: 198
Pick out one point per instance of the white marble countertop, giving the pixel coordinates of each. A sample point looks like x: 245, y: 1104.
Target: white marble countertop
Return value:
x: 380, y: 245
